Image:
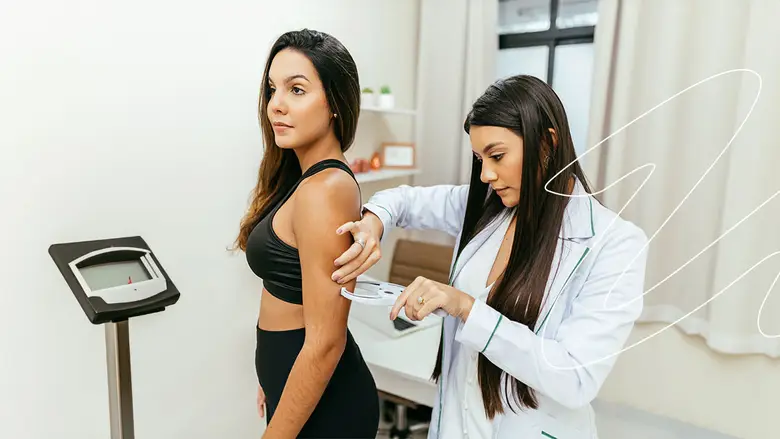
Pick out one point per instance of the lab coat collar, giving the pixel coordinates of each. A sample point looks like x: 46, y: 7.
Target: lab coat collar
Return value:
x: 578, y: 216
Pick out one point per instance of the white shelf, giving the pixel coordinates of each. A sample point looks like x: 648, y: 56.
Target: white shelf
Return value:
x: 388, y: 110
x: 384, y: 174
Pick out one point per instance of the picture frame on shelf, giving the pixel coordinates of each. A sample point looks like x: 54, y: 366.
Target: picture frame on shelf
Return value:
x: 398, y: 155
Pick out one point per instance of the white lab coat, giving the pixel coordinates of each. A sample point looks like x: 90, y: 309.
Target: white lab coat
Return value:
x: 590, y: 307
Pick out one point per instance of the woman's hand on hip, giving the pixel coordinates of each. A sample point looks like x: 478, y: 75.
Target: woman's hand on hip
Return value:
x: 424, y: 296
x: 364, y: 253
x: 260, y: 401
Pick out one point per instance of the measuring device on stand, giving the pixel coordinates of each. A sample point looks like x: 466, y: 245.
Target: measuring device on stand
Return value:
x: 114, y: 280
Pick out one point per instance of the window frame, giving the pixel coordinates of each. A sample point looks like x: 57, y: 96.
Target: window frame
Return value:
x: 552, y: 38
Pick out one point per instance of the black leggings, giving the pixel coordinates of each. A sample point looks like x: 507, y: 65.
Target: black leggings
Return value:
x: 349, y: 407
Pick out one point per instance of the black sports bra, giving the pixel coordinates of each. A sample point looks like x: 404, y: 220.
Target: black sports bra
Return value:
x: 272, y: 259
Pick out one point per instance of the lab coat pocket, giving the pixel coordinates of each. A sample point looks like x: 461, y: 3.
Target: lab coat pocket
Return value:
x: 513, y: 426
x: 552, y: 428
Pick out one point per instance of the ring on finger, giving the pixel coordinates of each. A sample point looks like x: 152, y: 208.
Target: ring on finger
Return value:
x: 421, y: 300
x: 362, y: 242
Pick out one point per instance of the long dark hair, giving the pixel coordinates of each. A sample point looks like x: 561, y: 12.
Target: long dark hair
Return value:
x: 530, y: 108
x: 279, y: 168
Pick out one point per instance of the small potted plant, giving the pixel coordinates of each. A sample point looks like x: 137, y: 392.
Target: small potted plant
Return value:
x: 386, y: 98
x: 367, y: 98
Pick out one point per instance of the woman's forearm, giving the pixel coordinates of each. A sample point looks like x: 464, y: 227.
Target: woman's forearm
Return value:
x: 305, y: 385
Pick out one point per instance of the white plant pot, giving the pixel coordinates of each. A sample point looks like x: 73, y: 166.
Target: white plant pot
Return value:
x: 368, y: 99
x: 386, y: 101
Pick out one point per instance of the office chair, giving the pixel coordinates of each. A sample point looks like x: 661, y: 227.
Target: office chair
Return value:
x: 412, y: 259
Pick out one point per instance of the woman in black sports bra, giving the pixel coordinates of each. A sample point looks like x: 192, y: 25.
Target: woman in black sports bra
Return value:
x: 313, y: 380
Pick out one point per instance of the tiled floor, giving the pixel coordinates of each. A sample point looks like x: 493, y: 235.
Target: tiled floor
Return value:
x: 619, y: 422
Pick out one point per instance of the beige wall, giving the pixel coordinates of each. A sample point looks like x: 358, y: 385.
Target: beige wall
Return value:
x: 441, y: 70
x: 388, y: 57
x: 678, y: 376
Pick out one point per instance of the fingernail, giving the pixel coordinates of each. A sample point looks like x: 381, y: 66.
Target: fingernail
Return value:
x: 338, y: 231
x: 334, y: 278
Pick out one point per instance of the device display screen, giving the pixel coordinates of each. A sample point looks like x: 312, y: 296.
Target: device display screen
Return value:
x: 114, y: 274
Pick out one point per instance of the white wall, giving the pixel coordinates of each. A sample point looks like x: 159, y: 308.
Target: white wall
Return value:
x: 140, y: 118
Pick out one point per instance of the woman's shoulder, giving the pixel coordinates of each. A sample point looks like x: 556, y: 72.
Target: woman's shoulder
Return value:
x: 610, y: 227
x: 328, y: 190
x: 329, y: 179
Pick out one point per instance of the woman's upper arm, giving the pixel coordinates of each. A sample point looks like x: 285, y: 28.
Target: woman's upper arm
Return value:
x: 323, y: 203
x: 440, y: 207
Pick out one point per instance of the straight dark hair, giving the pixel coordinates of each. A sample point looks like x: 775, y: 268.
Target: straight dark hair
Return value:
x: 280, y: 169
x: 530, y: 108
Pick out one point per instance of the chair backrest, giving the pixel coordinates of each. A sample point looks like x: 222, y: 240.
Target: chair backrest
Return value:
x: 415, y: 258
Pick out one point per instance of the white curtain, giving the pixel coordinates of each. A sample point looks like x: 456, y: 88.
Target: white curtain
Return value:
x: 458, y: 43
x: 713, y: 153
x: 458, y: 48
x: 479, y: 66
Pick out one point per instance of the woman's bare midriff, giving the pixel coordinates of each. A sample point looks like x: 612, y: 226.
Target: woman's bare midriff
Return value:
x: 278, y: 315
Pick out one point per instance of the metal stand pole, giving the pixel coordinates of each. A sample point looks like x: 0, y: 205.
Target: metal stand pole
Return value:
x: 401, y: 428
x: 120, y: 387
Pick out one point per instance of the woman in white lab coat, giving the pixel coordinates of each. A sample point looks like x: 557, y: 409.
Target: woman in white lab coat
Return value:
x: 546, y: 283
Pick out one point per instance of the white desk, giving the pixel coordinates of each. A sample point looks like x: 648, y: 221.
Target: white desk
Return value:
x: 401, y: 366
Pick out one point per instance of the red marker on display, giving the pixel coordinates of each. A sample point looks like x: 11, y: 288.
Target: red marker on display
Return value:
x: 129, y: 281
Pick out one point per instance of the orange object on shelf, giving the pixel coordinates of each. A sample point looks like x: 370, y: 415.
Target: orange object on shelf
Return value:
x: 355, y: 166
x: 359, y: 166
x: 376, y: 162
